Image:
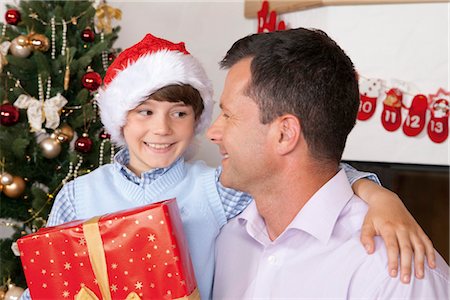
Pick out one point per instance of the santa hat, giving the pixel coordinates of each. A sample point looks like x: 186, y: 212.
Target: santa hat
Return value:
x: 141, y: 70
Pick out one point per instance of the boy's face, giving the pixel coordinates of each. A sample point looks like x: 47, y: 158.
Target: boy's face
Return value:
x: 157, y: 133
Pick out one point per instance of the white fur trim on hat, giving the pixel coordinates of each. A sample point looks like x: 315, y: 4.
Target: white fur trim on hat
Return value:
x: 145, y: 76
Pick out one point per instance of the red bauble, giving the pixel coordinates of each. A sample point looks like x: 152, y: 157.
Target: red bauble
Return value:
x: 88, y: 35
x: 12, y: 16
x: 111, y: 57
x: 104, y: 135
x: 9, y: 114
x: 91, y: 81
x: 83, y: 144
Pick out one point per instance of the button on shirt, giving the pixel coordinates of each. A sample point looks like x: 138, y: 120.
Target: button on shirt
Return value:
x: 318, y: 256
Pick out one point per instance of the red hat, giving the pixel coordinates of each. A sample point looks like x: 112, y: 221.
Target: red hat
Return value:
x: 141, y: 70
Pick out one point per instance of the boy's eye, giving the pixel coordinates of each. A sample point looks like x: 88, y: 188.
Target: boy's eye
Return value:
x: 145, y: 112
x: 179, y: 114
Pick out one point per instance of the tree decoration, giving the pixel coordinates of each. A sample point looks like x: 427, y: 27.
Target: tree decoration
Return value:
x: 14, y: 292
x: 111, y: 57
x: 88, y: 35
x: 17, y: 50
x: 6, y: 178
x: 12, y: 17
x: 47, y: 125
x: 65, y: 133
x: 91, y: 80
x: 4, y: 48
x: 83, y: 144
x: 38, y: 42
x: 105, y: 14
x: 16, y: 188
x: 50, y: 147
x: 40, y: 111
x: 9, y: 115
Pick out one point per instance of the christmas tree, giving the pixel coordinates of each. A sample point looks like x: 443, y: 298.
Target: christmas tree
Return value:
x: 53, y: 57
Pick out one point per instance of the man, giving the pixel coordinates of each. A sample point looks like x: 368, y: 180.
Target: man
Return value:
x: 290, y: 99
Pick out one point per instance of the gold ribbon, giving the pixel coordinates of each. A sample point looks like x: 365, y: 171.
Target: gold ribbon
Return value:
x: 98, y: 262
x: 4, y: 47
x: 105, y: 14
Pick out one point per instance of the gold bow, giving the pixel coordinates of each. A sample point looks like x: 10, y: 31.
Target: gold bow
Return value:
x: 105, y: 14
x: 4, y: 47
x: 86, y: 294
x: 98, y: 261
x: 38, y: 111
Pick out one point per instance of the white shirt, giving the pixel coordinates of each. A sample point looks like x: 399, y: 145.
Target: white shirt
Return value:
x: 318, y: 256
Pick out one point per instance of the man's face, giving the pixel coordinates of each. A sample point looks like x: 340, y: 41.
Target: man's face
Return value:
x: 241, y: 137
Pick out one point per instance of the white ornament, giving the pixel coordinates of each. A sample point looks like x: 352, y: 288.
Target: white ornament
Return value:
x: 38, y: 111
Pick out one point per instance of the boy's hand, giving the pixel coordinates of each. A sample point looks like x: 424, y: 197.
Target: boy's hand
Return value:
x: 388, y: 217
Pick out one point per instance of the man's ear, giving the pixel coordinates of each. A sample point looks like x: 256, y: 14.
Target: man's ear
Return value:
x: 289, y: 131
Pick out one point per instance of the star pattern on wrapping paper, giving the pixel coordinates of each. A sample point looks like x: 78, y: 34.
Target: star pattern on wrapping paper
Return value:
x: 66, y: 294
x: 151, y: 238
x: 114, y: 266
x: 114, y: 288
x: 138, y: 285
x: 44, y: 285
x: 44, y: 271
x: 66, y: 283
x: 37, y: 253
x: 67, y: 266
x: 82, y: 241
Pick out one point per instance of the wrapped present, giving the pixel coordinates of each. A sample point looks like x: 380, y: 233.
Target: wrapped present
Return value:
x: 139, y: 253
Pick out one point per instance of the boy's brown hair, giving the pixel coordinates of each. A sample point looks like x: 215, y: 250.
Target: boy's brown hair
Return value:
x: 184, y: 93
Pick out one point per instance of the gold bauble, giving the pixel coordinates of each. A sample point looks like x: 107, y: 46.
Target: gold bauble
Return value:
x: 66, y: 132
x: 39, y: 42
x: 15, y: 189
x: 22, y: 40
x: 18, y: 50
x: 6, y: 178
x: 14, y: 292
x: 50, y: 147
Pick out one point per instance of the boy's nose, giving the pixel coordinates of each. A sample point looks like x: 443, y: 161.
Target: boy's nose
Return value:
x: 214, y: 132
x: 162, y: 126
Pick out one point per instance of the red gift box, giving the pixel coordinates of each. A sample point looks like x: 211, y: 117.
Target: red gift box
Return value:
x: 131, y: 254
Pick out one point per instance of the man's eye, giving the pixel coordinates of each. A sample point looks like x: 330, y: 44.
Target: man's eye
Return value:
x: 226, y: 116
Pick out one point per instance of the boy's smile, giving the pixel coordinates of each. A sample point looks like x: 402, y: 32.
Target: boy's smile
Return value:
x: 157, y: 133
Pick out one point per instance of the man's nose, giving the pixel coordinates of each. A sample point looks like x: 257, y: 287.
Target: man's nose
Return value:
x: 214, y: 132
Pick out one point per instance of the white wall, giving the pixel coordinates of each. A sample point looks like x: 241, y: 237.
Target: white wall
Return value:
x: 408, y: 42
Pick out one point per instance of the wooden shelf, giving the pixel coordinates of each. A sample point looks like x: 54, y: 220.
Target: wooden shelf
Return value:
x: 252, y: 7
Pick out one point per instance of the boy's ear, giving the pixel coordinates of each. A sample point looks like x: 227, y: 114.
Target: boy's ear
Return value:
x: 288, y: 130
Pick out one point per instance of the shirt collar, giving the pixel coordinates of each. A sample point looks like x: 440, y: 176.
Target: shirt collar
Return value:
x: 319, y: 215
x: 122, y: 158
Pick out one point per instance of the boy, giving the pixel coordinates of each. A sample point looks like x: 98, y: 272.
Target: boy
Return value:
x: 156, y: 97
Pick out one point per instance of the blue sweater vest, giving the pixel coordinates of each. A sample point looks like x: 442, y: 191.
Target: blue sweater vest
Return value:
x: 193, y: 185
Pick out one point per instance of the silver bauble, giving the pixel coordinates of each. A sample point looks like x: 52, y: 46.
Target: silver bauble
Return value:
x: 14, y: 292
x: 18, y: 50
x: 6, y: 178
x: 50, y: 147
